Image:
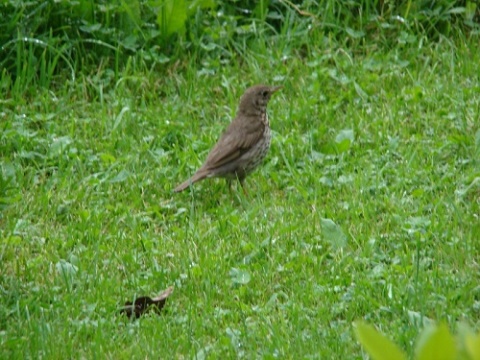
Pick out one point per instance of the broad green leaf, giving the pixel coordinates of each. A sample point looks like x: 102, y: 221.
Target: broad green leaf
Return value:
x: 418, y: 319
x: 343, y: 146
x: 328, y: 148
x: 239, y: 276
x: 377, y: 345
x: 456, y: 10
x: 472, y: 343
x: 172, y: 16
x: 121, y: 176
x: 344, y: 140
x: 200, y: 4
x: 59, y: 145
x: 261, y: 9
x: 132, y: 8
x: 355, y: 33
x: 85, y: 8
x: 333, y: 233
x: 436, y: 343
x: 345, y: 134
x: 66, y: 270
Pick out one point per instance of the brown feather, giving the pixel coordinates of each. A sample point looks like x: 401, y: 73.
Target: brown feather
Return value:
x: 244, y: 143
x: 201, y: 174
x: 252, y: 131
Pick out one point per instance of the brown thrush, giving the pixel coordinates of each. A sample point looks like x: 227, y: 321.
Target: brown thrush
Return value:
x: 244, y: 144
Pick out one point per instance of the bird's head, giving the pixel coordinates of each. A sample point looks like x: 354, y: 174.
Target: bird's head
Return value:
x: 256, y: 98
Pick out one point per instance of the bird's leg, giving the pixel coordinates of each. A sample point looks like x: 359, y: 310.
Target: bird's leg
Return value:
x: 229, y: 182
x: 242, y: 184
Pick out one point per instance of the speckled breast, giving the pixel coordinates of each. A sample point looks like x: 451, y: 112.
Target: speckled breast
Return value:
x: 258, y: 152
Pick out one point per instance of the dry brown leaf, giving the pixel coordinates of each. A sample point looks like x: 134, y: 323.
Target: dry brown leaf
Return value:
x: 143, y: 303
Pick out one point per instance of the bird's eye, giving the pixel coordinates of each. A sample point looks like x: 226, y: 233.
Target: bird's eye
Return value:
x: 264, y: 93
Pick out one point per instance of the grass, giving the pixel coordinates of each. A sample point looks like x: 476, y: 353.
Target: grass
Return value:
x: 89, y: 219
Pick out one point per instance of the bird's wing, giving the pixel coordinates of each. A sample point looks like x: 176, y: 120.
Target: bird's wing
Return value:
x: 237, y: 139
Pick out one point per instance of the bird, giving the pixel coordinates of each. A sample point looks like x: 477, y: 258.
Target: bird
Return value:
x: 244, y: 143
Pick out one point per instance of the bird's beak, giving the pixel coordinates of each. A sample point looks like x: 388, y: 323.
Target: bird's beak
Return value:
x: 276, y: 88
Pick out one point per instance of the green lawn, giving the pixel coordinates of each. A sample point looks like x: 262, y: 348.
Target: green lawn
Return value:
x: 383, y: 143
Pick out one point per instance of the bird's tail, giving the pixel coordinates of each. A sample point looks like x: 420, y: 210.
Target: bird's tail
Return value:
x: 199, y: 175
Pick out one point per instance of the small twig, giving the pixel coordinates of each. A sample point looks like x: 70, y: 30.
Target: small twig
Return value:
x: 297, y: 9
